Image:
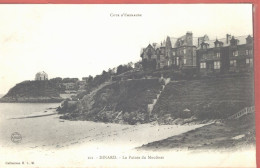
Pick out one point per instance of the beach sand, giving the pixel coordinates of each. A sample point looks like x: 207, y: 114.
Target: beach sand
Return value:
x: 48, y: 141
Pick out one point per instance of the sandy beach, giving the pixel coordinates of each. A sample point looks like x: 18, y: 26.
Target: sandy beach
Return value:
x: 50, y: 141
x: 45, y: 130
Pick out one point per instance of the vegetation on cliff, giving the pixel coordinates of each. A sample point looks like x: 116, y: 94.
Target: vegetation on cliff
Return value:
x: 182, y: 101
x: 123, y: 101
x: 205, y: 99
x: 33, y: 91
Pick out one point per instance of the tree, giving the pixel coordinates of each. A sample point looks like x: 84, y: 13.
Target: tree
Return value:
x: 119, y: 69
x: 90, y: 78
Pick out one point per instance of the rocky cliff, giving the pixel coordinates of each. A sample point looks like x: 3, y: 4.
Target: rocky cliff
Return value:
x: 33, y: 92
x: 178, y: 102
x: 119, y: 102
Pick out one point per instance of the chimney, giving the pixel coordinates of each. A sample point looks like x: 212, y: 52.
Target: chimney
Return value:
x: 228, y: 38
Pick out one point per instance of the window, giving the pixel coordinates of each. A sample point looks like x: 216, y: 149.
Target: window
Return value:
x: 235, y: 53
x: 173, y: 53
x: 218, y: 54
x: 217, y: 65
x: 184, y: 61
x: 250, y: 51
x: 184, y: 51
x: 203, y: 65
x: 158, y: 57
x: 249, y: 61
x: 233, y: 63
x: 246, y: 52
x: 204, y: 56
x: 177, y: 60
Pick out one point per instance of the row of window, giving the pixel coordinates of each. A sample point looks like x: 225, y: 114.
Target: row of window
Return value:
x: 179, y: 52
x: 249, y: 61
x: 233, y: 63
x: 207, y: 55
x: 235, y: 53
x: 174, y: 53
x: 216, y: 65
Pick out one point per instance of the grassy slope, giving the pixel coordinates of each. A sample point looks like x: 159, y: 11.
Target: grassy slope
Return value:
x: 214, y: 98
x: 218, y: 136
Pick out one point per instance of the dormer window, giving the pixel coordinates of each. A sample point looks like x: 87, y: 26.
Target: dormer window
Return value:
x: 235, y: 53
x: 204, y: 45
x: 249, y: 39
x: 233, y: 41
x: 218, y: 54
x: 218, y: 43
x: 204, y: 56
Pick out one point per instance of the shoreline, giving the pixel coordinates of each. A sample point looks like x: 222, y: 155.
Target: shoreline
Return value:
x: 161, y: 136
x: 31, y: 100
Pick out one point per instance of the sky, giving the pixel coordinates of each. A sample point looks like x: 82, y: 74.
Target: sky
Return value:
x: 82, y: 40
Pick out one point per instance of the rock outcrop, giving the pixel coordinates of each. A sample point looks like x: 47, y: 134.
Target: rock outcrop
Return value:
x: 33, y: 92
x: 118, y: 102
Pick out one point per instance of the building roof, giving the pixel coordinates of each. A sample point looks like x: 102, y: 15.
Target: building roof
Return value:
x: 163, y: 44
x: 241, y: 40
x: 156, y: 45
x: 195, y: 42
x: 41, y: 73
x: 173, y: 41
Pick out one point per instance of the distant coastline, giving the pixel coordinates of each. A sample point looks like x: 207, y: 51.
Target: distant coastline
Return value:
x: 31, y: 100
x: 33, y: 92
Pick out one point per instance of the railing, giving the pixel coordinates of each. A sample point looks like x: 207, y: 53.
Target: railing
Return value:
x: 243, y: 112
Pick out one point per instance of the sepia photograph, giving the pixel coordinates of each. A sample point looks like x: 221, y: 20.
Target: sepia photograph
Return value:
x: 136, y: 85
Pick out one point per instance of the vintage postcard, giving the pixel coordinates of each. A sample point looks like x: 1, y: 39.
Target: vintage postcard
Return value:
x: 137, y: 85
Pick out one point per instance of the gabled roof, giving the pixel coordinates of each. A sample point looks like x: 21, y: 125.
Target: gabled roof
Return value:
x: 163, y: 44
x: 180, y: 41
x: 156, y: 45
x: 173, y: 41
x: 197, y: 40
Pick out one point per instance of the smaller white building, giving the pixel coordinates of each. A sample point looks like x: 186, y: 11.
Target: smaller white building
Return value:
x: 41, y: 76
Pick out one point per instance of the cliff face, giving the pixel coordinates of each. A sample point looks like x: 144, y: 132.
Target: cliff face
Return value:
x: 180, y: 102
x: 33, y: 91
x: 119, y: 102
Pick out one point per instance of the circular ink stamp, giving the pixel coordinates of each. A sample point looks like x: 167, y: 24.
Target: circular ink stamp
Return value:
x: 16, y: 137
